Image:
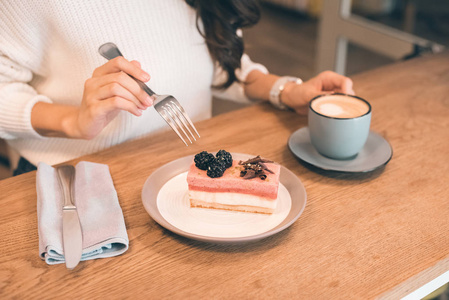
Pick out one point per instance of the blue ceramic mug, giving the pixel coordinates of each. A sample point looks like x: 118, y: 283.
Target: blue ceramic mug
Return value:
x: 339, y: 124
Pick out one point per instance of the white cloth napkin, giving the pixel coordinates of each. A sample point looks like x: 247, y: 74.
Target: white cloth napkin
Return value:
x: 101, y: 218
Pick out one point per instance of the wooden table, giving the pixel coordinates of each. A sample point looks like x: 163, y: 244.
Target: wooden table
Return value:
x: 383, y: 234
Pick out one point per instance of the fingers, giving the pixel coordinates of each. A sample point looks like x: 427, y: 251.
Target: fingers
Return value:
x: 135, y: 62
x: 115, y: 89
x: 120, y: 64
x: 119, y: 103
x: 346, y: 86
x: 113, y: 84
x: 332, y: 81
x: 110, y: 90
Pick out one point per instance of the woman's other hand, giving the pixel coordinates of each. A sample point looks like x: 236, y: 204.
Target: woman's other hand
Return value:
x: 297, y: 96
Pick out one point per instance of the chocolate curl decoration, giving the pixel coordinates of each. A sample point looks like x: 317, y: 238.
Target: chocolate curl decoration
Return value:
x: 255, y: 167
x: 255, y: 160
x: 265, y: 168
x: 248, y: 174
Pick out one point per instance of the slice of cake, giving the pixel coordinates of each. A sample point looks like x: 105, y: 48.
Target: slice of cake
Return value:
x: 222, y: 183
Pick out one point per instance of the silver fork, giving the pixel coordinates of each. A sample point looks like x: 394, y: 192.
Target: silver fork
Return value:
x: 167, y: 106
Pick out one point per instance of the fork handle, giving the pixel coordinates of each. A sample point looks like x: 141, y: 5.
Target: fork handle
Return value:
x: 110, y: 51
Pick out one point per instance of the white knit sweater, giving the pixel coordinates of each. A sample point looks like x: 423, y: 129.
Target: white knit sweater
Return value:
x: 49, y: 48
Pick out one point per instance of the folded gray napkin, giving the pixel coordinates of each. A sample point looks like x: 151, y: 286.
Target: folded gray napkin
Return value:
x: 101, y: 218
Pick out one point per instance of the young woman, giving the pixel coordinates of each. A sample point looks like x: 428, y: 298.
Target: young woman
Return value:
x: 59, y: 99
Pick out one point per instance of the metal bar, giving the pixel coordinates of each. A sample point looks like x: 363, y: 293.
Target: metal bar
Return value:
x: 338, y: 27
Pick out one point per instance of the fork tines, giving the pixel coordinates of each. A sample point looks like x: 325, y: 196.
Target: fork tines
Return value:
x: 176, y: 117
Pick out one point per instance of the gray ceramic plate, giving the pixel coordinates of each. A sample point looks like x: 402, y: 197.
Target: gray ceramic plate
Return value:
x: 376, y: 153
x: 156, y: 181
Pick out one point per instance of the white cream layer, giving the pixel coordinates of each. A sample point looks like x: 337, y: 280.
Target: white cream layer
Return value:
x: 233, y: 199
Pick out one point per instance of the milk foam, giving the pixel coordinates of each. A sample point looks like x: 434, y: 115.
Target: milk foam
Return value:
x: 331, y: 109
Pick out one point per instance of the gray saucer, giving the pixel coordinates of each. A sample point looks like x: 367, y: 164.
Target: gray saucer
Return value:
x: 376, y: 153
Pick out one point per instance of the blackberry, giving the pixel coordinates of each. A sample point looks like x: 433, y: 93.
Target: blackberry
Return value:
x: 216, y: 169
x: 203, y: 159
x: 225, y: 157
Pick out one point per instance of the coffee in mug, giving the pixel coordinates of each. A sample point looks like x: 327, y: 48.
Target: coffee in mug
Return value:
x: 339, y: 124
x: 340, y: 106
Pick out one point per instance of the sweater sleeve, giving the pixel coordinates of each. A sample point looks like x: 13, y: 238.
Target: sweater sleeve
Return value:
x: 236, y: 91
x: 19, y: 52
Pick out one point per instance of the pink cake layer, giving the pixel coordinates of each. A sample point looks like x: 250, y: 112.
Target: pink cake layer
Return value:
x: 231, y: 182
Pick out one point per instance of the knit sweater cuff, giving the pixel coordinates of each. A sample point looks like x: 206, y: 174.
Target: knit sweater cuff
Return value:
x: 15, y: 115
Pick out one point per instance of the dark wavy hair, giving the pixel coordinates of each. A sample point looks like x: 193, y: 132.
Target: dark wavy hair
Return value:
x: 220, y: 20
